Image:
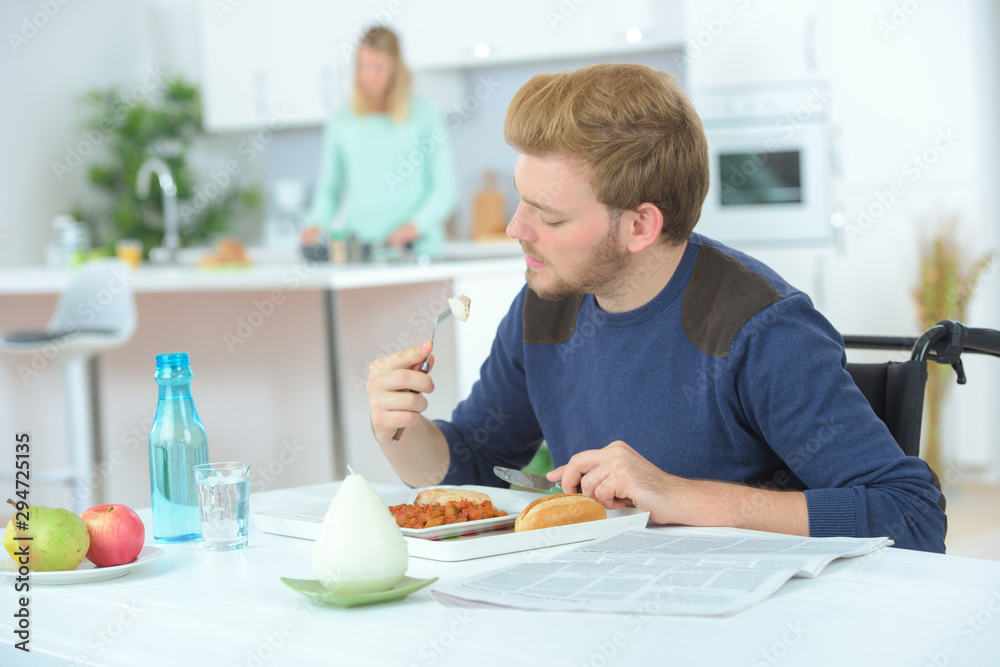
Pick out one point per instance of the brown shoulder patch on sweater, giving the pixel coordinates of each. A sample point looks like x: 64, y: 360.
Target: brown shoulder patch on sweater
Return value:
x: 720, y: 297
x: 549, y: 322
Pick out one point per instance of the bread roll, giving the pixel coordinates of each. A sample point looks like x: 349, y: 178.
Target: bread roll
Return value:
x: 559, y: 509
x: 442, y: 496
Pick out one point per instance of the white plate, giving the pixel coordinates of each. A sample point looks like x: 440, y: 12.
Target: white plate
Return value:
x: 512, y: 508
x: 85, y: 571
x: 304, y: 522
x: 467, y: 547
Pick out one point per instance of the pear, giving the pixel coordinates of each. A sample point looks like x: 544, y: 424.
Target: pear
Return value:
x: 59, y: 538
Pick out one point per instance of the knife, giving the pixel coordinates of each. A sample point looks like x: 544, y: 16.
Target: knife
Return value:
x: 526, y: 479
x: 530, y: 480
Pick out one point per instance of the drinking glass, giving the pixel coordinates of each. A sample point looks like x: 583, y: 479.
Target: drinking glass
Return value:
x: 224, y: 501
x: 129, y: 251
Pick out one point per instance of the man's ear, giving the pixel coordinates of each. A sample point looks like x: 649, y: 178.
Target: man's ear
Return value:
x: 644, y: 226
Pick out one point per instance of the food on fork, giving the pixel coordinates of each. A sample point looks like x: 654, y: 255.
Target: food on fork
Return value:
x: 559, y: 509
x: 460, y: 307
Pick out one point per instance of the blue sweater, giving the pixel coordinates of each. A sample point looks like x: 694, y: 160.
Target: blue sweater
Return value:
x: 728, y: 374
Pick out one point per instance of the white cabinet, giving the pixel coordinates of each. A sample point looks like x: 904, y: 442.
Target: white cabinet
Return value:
x: 268, y: 60
x: 445, y: 34
x: 905, y: 111
x: 739, y: 42
x: 270, y: 63
x: 899, y: 108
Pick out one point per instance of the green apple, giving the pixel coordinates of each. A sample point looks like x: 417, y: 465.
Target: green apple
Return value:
x: 59, y: 538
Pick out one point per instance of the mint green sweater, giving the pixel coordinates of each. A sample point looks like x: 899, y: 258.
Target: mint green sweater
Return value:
x: 380, y: 175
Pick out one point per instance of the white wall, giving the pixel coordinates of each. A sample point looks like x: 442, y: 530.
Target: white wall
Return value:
x: 77, y: 48
x: 896, y: 91
x: 123, y: 43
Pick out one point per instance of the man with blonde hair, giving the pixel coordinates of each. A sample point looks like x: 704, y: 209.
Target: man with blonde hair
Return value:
x: 660, y: 366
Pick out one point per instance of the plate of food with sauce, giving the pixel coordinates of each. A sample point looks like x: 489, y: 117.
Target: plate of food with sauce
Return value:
x: 467, y: 537
x: 441, y: 512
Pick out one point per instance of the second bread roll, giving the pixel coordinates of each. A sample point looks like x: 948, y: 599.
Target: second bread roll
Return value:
x: 559, y: 509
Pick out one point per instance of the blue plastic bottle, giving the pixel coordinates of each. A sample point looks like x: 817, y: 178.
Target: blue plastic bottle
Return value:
x: 177, y: 443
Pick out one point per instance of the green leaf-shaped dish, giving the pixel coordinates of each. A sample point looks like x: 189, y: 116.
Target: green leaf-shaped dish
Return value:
x: 315, y: 590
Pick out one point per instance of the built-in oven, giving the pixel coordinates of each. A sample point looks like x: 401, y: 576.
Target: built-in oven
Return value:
x: 769, y: 156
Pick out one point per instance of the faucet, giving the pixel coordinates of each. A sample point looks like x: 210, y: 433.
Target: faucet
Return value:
x: 171, y: 237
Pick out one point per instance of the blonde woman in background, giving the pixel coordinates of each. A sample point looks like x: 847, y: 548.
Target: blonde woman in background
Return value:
x: 386, y: 173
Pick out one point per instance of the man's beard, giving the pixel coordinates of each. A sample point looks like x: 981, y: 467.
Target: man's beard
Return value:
x: 595, y: 273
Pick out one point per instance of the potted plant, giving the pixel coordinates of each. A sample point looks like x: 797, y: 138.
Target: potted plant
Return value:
x: 947, y: 281
x: 162, y: 123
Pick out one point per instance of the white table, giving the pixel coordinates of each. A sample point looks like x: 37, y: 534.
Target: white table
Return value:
x: 192, y: 607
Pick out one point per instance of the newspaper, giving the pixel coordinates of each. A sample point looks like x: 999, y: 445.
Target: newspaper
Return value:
x: 658, y: 572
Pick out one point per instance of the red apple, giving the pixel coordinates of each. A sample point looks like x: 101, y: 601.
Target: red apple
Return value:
x: 116, y: 534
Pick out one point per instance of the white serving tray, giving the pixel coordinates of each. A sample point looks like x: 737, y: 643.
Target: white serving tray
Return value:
x: 304, y: 522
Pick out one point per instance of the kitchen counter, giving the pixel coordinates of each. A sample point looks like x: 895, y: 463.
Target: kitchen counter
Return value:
x: 264, y: 276
x: 279, y: 351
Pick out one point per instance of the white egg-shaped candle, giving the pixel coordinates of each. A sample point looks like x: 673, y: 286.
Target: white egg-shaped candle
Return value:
x: 360, y: 548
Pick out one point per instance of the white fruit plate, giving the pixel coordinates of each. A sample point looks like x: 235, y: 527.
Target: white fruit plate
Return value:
x: 86, y: 571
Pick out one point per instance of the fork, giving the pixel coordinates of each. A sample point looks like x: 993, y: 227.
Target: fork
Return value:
x: 426, y: 366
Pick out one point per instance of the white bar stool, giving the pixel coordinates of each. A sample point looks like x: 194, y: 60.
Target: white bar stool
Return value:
x: 96, y: 312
